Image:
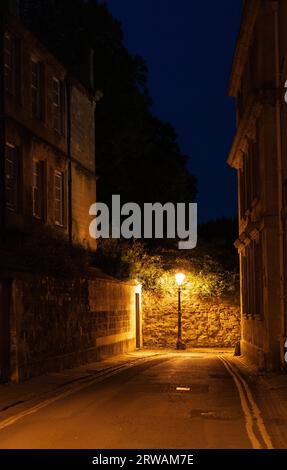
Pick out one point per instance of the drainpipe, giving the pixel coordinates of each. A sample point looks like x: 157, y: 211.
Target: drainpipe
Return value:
x: 275, y: 6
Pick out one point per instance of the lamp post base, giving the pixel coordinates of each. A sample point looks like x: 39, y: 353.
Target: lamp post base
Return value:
x: 180, y: 344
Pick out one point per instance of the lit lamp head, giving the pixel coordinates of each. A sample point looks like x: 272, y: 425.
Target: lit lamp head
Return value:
x: 138, y: 288
x: 179, y: 277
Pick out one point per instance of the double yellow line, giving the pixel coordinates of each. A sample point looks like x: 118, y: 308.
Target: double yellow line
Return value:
x: 254, y: 423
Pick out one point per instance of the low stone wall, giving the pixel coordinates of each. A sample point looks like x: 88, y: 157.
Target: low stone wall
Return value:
x: 205, y: 322
x: 56, y: 324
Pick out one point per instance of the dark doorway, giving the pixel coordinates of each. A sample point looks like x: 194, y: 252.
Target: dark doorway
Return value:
x: 138, y: 324
x: 4, y: 330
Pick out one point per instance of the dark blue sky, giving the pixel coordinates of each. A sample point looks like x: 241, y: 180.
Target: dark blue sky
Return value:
x: 188, y: 46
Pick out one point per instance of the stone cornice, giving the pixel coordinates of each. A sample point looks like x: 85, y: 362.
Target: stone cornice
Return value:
x: 246, y: 132
x: 250, y: 232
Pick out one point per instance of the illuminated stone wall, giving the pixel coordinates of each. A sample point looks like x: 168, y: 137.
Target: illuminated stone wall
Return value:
x: 57, y: 324
x: 206, y: 322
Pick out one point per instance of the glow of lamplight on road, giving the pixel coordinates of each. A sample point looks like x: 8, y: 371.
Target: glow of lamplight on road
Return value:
x: 183, y: 389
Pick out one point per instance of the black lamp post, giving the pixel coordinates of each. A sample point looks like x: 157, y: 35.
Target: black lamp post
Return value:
x: 179, y: 279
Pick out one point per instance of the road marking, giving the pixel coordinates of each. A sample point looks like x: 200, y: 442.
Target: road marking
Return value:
x: 253, y: 417
x: 248, y: 417
x: 13, y: 419
x: 257, y: 414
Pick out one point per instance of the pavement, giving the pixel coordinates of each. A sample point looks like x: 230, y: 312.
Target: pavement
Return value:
x: 198, y: 399
x: 12, y: 395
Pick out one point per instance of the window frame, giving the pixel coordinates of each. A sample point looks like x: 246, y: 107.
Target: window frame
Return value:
x: 39, y: 187
x: 37, y: 105
x: 60, y: 221
x: 57, y: 106
x: 12, y: 206
x: 12, y: 67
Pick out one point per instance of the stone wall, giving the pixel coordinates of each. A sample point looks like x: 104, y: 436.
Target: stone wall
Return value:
x: 205, y: 322
x: 57, y: 324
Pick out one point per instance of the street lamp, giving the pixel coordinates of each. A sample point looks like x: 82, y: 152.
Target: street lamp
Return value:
x: 179, y: 279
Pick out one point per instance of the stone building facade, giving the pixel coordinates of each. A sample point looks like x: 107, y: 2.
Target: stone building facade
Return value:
x: 258, y: 153
x: 50, y: 320
x: 48, y: 140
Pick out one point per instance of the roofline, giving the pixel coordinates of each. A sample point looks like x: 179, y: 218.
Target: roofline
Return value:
x: 249, y: 16
x: 11, y: 19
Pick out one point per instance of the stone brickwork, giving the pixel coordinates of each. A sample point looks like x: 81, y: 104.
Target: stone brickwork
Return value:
x: 205, y: 323
x: 82, y: 127
x: 83, y: 164
x: 57, y: 324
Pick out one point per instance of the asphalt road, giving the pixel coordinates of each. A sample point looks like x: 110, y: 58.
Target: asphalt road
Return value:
x: 185, y: 401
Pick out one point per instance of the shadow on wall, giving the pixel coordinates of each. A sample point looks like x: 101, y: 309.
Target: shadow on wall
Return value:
x: 56, y: 324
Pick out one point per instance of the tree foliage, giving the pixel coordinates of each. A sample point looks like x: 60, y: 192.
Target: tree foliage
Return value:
x: 155, y: 267
x: 137, y: 154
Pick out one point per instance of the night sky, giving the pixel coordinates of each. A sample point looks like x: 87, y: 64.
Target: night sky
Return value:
x: 188, y: 46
